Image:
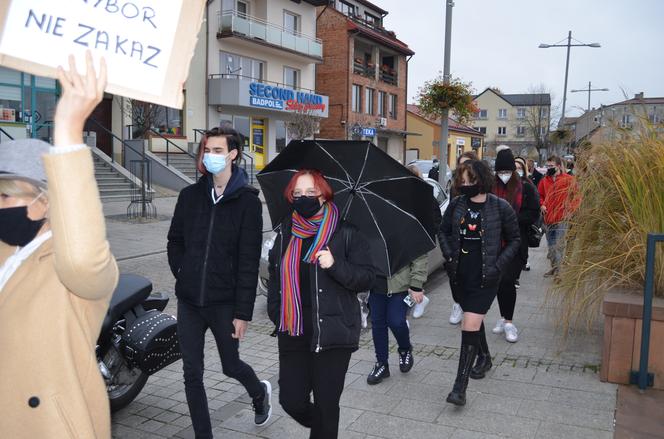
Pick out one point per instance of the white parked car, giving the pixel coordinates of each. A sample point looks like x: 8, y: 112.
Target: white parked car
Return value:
x: 425, y: 166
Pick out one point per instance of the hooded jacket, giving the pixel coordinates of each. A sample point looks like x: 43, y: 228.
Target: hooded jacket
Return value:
x: 214, y: 248
x: 558, y: 197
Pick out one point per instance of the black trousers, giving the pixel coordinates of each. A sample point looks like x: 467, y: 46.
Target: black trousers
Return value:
x: 193, y: 323
x: 301, y: 372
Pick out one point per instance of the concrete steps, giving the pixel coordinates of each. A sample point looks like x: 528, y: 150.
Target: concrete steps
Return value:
x: 113, y: 186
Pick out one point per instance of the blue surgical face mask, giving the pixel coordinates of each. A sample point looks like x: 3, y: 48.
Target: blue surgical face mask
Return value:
x: 214, y: 163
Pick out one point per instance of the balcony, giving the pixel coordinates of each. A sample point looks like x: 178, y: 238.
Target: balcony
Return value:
x: 234, y: 24
x: 388, y: 75
x: 363, y: 68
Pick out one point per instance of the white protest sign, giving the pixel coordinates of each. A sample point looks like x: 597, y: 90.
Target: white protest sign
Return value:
x: 148, y: 44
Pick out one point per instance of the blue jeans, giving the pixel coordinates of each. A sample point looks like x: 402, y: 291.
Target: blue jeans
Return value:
x: 388, y: 312
x: 555, y: 238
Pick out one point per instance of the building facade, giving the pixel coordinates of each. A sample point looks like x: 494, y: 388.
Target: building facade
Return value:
x: 425, y: 145
x: 520, y: 121
x: 610, y: 122
x: 365, y: 74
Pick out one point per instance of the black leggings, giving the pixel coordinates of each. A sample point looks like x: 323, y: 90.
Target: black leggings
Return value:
x: 193, y: 323
x: 507, y: 298
x: 302, y: 372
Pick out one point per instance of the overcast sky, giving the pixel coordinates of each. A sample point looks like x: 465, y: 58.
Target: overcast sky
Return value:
x: 494, y: 43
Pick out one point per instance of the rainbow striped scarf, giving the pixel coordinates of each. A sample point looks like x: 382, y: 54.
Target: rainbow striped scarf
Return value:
x: 322, y: 226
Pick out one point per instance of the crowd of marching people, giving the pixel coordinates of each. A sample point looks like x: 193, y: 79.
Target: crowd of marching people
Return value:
x: 51, y: 226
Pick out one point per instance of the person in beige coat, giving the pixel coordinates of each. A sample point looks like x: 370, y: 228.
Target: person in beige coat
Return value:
x: 57, y: 275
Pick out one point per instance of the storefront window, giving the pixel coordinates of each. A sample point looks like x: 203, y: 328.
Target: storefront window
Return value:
x: 147, y: 117
x: 282, y: 136
x: 242, y: 125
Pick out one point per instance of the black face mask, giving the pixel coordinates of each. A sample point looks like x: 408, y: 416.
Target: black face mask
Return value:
x: 469, y: 191
x: 306, y: 206
x: 551, y: 172
x: 15, y: 226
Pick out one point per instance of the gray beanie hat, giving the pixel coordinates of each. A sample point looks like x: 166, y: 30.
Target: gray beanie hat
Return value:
x: 22, y: 160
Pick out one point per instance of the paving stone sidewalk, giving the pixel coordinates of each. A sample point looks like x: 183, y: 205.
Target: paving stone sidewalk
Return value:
x: 539, y: 388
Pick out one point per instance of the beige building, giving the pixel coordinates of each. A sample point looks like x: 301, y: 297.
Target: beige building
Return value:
x: 610, y: 122
x: 519, y: 120
x: 424, y: 139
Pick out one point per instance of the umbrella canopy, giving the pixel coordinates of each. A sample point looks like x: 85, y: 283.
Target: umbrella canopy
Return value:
x: 377, y: 194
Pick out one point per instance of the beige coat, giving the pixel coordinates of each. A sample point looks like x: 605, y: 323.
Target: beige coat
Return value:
x: 51, y: 311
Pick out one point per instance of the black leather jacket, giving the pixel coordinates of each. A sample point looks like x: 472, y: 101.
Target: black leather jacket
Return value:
x: 335, y: 308
x: 499, y: 226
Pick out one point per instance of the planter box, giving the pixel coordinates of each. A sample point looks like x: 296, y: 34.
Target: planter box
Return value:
x: 622, y: 338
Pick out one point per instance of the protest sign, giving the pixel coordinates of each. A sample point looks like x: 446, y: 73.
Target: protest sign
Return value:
x: 148, y: 44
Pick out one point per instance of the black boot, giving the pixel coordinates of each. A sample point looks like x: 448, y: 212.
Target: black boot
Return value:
x: 466, y: 359
x: 482, y: 366
x: 406, y: 360
x: 483, y: 363
x: 379, y: 372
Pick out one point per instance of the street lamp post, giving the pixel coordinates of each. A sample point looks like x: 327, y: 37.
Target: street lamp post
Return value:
x: 589, y: 90
x: 444, y: 123
x: 568, y: 45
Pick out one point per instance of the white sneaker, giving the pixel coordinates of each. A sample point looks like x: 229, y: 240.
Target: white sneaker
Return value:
x: 500, y: 327
x: 511, y: 333
x: 419, y: 308
x: 457, y: 314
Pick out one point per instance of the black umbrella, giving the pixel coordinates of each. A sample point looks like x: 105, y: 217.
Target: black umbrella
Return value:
x: 389, y: 204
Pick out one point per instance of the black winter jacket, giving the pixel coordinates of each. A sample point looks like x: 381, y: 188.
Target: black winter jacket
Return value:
x: 499, y: 223
x: 214, y: 249
x: 335, y: 308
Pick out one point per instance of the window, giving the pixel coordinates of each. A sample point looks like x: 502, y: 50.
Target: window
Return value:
x: 482, y: 114
x: 381, y: 103
x: 164, y: 120
x: 292, y: 22
x: 291, y: 77
x: 242, y: 8
x: 653, y: 118
x: 235, y: 65
x: 502, y: 131
x: 544, y: 112
x: 347, y: 8
x: 520, y: 113
x: 371, y: 19
x: 520, y: 131
x: 10, y: 95
x: 392, y: 106
x: 357, y: 98
x: 542, y: 131
x: 281, y: 137
x: 369, y: 100
x: 481, y: 129
x: 502, y: 113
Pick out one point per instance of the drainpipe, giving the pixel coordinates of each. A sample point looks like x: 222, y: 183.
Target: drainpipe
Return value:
x: 405, y: 137
x: 207, y: 67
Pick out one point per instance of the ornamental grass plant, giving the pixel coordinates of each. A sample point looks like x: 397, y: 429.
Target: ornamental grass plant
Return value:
x: 621, y: 185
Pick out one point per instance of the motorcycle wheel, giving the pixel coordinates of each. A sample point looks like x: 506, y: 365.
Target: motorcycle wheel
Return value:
x: 125, y: 383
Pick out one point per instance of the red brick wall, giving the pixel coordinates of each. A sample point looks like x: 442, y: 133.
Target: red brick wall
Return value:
x: 335, y: 77
x: 332, y: 74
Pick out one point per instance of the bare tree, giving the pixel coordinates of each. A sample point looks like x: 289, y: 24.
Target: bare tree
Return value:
x: 144, y: 115
x: 535, y: 122
x: 302, y: 125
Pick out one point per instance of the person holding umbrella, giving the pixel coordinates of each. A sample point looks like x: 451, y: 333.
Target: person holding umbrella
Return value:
x: 479, y: 238
x: 317, y: 266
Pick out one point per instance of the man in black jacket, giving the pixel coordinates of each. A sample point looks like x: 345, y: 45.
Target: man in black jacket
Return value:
x: 214, y: 246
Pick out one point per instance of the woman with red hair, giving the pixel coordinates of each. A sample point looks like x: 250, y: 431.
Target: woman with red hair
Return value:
x: 317, y: 266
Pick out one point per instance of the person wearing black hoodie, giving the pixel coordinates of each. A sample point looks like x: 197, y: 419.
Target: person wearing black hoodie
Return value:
x: 214, y: 247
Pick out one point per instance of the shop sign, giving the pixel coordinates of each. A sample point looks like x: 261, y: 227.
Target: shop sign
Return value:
x: 147, y: 44
x: 460, y: 141
x: 286, y: 99
x: 369, y: 132
x: 475, y: 142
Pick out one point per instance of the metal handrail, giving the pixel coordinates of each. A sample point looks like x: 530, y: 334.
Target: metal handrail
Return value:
x: 6, y: 134
x: 122, y: 142
x: 263, y: 81
x: 170, y: 142
x: 198, y: 131
x: 645, y: 379
x: 266, y: 23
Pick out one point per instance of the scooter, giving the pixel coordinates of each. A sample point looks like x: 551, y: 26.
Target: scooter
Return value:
x: 137, y: 339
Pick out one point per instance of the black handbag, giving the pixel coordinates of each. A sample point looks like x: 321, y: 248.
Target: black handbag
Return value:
x: 535, y: 232
x: 151, y: 341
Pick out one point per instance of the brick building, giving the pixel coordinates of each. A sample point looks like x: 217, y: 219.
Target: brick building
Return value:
x: 364, y: 73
